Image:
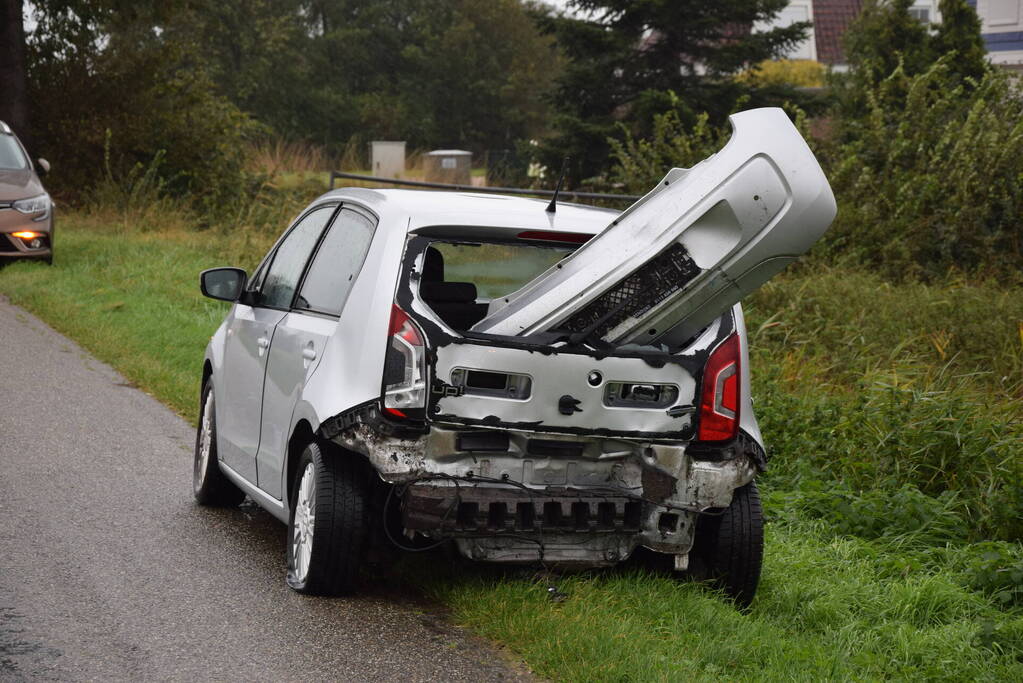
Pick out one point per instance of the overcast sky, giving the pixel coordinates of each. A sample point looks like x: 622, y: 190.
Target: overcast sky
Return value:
x: 559, y: 4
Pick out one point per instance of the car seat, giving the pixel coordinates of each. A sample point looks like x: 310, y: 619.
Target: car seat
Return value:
x: 453, y: 302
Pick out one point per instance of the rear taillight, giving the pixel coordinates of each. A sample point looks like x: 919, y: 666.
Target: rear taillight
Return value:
x: 719, y: 398
x: 405, y: 366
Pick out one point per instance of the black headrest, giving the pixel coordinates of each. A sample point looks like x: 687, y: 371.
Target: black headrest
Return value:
x: 433, y: 265
x: 447, y: 292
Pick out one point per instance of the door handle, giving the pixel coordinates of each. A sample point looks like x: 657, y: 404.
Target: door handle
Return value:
x: 308, y: 354
x: 263, y: 343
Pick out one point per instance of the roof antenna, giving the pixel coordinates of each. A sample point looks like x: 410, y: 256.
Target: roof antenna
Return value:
x: 553, y: 206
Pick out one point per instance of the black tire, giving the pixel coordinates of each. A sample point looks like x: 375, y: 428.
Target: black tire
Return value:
x: 337, y: 544
x: 729, y: 548
x: 210, y: 485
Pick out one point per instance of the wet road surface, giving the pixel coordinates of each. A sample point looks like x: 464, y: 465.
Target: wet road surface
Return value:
x: 109, y: 571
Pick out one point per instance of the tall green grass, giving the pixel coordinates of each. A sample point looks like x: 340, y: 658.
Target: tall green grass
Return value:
x: 850, y: 322
x: 864, y: 386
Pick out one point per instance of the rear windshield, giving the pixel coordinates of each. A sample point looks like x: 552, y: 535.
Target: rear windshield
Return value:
x: 496, y: 269
x: 11, y: 156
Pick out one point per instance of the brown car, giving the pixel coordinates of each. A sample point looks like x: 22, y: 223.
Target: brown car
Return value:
x: 26, y: 211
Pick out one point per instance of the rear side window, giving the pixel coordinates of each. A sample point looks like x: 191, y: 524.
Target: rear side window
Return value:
x: 292, y: 254
x: 337, y: 263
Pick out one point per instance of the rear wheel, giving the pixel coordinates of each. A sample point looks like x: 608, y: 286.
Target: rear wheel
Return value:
x: 327, y: 531
x: 209, y: 484
x: 729, y: 548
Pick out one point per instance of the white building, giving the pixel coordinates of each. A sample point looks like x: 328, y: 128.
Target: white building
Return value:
x: 1001, y: 27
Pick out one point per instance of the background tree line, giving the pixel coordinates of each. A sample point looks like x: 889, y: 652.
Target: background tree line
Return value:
x: 922, y: 138
x: 191, y: 79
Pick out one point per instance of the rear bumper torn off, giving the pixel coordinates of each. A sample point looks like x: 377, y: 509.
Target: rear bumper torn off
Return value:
x: 590, y: 501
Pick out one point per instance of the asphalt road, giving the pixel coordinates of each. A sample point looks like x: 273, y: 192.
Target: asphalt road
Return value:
x: 109, y: 571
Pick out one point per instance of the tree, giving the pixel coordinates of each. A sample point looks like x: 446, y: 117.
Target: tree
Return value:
x: 959, y: 32
x: 933, y: 179
x: 14, y: 103
x: 109, y: 82
x: 883, y: 35
x: 885, y: 38
x: 480, y: 70
x: 629, y: 61
x: 461, y: 72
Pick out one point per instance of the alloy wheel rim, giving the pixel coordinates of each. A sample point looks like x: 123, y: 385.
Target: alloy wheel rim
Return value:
x: 205, y: 438
x: 305, y: 517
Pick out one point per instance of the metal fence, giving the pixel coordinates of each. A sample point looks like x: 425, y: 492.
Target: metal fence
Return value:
x: 565, y: 194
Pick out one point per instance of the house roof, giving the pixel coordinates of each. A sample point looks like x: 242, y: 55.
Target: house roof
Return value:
x: 831, y: 18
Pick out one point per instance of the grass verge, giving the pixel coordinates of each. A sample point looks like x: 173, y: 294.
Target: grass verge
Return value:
x: 865, y: 578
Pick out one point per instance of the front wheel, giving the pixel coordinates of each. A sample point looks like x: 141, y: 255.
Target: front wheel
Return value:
x: 209, y: 484
x: 327, y: 531
x: 729, y: 548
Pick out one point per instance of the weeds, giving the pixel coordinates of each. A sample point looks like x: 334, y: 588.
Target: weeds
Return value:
x: 274, y: 157
x: 134, y: 200
x: 997, y: 570
x: 852, y: 390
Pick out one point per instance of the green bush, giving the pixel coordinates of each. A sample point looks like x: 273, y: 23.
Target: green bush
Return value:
x: 940, y: 436
x: 932, y: 179
x: 850, y: 321
x: 929, y: 181
x: 912, y: 385
x: 798, y: 72
x: 640, y: 164
x: 997, y: 569
x: 130, y: 107
x: 906, y: 514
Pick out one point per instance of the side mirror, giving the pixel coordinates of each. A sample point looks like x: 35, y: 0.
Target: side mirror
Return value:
x: 225, y: 284
x: 43, y: 165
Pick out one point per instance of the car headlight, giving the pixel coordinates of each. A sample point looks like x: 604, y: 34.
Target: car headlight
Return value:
x: 40, y: 204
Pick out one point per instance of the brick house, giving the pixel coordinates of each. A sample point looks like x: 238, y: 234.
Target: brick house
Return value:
x: 1001, y: 26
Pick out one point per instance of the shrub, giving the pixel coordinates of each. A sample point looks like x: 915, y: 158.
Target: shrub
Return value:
x: 937, y: 433
x: 798, y: 72
x: 905, y: 514
x: 824, y: 315
x: 640, y: 163
x: 997, y: 569
x: 912, y: 385
x: 131, y: 106
x: 933, y: 179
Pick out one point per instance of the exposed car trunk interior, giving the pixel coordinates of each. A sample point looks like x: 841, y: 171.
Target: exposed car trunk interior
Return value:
x: 460, y: 279
x: 453, y: 302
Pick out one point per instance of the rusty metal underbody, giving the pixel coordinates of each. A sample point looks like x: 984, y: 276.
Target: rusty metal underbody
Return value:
x: 562, y: 499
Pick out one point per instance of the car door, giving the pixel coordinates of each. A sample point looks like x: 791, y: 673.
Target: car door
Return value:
x: 248, y: 336
x: 299, y: 339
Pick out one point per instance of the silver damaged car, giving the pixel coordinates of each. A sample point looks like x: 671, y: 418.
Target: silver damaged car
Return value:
x: 528, y: 383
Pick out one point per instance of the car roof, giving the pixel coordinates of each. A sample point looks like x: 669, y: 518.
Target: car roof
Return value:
x: 5, y: 129
x: 473, y: 210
